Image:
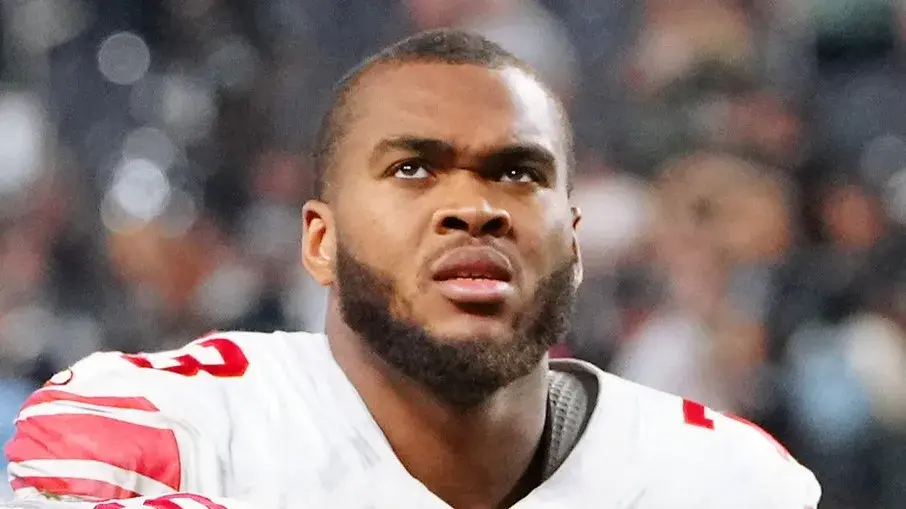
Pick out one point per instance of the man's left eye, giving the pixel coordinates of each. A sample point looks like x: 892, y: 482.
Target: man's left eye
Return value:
x: 519, y: 174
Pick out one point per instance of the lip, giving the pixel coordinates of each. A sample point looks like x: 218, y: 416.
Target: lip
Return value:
x: 474, y: 275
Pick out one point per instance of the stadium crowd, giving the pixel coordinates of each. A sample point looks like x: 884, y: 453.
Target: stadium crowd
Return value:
x: 741, y: 168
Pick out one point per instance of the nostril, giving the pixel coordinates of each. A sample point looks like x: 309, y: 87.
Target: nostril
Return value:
x: 454, y: 223
x: 494, y: 226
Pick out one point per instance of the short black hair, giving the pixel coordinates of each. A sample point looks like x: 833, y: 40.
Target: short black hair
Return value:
x: 447, y: 46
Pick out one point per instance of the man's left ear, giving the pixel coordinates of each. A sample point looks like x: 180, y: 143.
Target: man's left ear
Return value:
x: 578, y: 273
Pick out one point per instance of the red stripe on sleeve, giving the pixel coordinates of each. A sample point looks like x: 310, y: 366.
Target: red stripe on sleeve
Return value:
x: 148, y: 451
x: 169, y: 501
x: 50, y: 396
x: 72, y: 486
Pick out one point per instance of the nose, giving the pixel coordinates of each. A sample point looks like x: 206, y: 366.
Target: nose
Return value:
x: 477, y: 220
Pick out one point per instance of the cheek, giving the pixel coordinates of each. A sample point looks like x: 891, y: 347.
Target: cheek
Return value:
x: 381, y: 233
x: 550, y: 240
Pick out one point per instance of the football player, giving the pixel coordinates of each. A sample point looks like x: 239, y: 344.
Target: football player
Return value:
x: 444, y: 230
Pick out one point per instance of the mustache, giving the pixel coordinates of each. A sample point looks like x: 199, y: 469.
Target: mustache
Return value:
x: 460, y: 241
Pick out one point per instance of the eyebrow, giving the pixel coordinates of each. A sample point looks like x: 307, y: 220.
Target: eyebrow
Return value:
x: 427, y: 147
x: 438, y: 149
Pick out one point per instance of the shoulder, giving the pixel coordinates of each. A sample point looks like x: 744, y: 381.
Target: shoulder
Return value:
x: 151, y: 417
x: 216, y: 355
x: 667, y: 451
x: 717, y: 459
x: 205, y: 372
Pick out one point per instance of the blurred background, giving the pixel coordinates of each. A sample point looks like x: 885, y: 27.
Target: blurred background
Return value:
x: 742, y: 169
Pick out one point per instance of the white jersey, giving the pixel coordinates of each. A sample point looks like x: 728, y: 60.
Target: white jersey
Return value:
x: 170, y: 501
x: 271, y: 421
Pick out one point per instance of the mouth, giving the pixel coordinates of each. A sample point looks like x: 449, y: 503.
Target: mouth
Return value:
x: 474, y: 275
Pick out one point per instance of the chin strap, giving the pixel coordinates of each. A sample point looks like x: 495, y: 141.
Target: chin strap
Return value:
x: 572, y: 394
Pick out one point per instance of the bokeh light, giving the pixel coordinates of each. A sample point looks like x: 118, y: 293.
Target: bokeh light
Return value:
x: 21, y: 141
x: 123, y: 58
x: 140, y: 192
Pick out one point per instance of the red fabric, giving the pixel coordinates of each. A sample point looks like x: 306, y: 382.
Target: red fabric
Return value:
x: 50, y: 395
x: 148, y: 451
x: 234, y: 363
x: 73, y: 486
x: 168, y: 501
x: 694, y: 413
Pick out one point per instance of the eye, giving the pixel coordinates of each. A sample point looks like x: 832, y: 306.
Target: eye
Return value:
x: 412, y: 170
x: 520, y: 174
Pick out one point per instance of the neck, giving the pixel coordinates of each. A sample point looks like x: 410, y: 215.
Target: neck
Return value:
x: 480, y: 457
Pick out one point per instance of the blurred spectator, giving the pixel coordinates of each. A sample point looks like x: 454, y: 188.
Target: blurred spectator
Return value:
x: 722, y: 224
x: 521, y: 26
x: 679, y: 38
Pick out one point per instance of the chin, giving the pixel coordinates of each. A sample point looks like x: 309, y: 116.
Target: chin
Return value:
x: 465, y: 328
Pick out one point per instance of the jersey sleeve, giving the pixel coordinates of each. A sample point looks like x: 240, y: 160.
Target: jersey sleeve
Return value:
x: 703, y: 459
x: 97, y: 432
x: 170, y: 501
x: 757, y: 469
x: 735, y: 463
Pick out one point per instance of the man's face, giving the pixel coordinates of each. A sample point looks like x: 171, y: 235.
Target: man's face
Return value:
x: 451, y: 212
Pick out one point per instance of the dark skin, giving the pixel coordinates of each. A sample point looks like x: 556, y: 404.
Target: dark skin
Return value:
x: 447, y: 152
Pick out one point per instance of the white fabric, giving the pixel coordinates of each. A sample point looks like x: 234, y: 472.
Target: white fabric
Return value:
x: 92, y: 470
x: 182, y: 502
x: 292, y: 432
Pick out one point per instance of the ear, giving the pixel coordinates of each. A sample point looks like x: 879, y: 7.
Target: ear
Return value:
x: 319, y: 241
x: 577, y: 251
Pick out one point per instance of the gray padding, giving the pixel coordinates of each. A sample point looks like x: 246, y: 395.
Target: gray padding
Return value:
x: 571, y: 398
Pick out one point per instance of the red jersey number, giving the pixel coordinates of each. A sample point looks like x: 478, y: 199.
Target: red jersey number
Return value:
x: 694, y: 414
x: 218, y: 357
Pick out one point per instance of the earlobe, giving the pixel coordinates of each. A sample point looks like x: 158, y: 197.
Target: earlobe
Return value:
x: 318, y: 241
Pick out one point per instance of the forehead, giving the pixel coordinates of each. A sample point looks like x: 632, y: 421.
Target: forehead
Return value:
x: 468, y: 106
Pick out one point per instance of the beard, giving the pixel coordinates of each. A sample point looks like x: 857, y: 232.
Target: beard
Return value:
x: 462, y: 372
